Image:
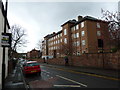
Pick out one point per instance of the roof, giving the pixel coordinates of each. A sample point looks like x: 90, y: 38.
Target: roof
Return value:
x: 89, y: 18
x: 83, y: 19
x: 51, y: 35
x: 70, y: 21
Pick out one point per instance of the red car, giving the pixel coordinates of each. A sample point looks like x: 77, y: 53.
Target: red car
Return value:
x: 31, y: 67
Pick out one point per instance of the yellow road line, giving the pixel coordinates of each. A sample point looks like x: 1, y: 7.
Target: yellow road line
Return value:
x: 71, y: 80
x: 95, y: 75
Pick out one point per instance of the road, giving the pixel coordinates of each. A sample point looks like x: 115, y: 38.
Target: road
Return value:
x: 59, y: 78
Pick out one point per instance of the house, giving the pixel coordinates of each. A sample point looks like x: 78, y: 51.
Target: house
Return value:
x: 34, y: 54
x: 85, y: 35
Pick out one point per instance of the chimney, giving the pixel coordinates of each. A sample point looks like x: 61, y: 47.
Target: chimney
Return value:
x: 79, y: 18
x: 53, y: 32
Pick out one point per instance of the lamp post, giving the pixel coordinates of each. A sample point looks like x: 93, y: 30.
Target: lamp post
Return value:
x: 3, y: 61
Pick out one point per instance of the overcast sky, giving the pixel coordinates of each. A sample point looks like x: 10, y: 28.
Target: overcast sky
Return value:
x: 40, y: 18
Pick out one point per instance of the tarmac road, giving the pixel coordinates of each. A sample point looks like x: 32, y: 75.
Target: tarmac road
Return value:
x: 52, y: 77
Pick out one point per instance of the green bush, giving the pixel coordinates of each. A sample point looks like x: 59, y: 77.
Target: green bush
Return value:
x: 114, y: 49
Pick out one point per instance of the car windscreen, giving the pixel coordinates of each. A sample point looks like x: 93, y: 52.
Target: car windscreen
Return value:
x: 32, y: 64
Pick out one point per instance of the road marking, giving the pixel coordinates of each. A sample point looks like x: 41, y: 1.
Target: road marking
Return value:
x: 28, y: 86
x: 71, y: 80
x: 95, y: 75
x: 46, y: 71
x: 66, y: 85
x: 48, y: 75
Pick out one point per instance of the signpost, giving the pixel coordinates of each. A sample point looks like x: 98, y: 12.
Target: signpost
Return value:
x: 6, y: 40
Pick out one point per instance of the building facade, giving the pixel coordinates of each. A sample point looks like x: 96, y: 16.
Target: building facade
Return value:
x: 33, y: 54
x: 85, y: 35
x: 2, y: 18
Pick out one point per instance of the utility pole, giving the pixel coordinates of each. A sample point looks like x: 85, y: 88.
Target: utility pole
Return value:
x: 3, y: 62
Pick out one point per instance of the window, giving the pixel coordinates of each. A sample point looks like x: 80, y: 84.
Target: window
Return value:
x: 100, y: 43
x: 77, y: 27
x: 65, y: 40
x: 83, y: 42
x: 65, y: 32
x: 82, y: 24
x: 72, y: 29
x: 78, y: 53
x: 58, y: 41
x: 78, y: 43
x: 61, y: 40
x: 98, y: 33
x: 61, y: 34
x: 74, y: 43
x: 77, y: 34
x: 74, y: 35
x: 98, y: 25
x: 83, y: 33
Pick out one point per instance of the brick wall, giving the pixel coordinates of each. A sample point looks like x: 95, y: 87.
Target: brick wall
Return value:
x: 106, y: 60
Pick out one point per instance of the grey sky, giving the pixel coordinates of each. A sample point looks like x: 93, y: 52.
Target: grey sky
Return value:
x: 42, y: 18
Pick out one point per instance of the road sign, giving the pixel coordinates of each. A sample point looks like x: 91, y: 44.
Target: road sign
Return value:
x: 6, y: 40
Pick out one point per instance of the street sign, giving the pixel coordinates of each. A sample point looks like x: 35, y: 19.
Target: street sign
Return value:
x: 6, y: 40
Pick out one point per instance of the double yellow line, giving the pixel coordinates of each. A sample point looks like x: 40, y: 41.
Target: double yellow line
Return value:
x: 95, y: 75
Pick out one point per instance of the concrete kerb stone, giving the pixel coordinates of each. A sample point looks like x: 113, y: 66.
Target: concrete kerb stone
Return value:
x: 25, y: 84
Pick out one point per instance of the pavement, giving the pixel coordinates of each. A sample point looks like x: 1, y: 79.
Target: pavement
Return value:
x: 15, y: 80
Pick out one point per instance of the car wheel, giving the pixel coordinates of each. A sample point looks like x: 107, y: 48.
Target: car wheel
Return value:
x: 24, y: 74
x: 39, y: 73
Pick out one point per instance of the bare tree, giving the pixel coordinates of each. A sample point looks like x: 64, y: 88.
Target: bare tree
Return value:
x: 114, y: 26
x: 18, y: 38
x: 39, y: 45
x: 64, y: 49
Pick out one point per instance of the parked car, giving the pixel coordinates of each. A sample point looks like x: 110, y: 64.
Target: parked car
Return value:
x: 21, y: 62
x: 31, y: 67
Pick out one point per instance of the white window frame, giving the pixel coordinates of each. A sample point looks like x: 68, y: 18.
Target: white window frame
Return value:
x: 74, y: 35
x: 65, y: 40
x: 82, y: 24
x: 98, y: 25
x: 83, y: 42
x: 72, y: 29
x: 61, y: 34
x: 77, y: 35
x: 65, y: 31
x: 77, y: 27
x: 82, y: 33
x: 98, y: 33
x: 61, y: 40
x: 78, y: 43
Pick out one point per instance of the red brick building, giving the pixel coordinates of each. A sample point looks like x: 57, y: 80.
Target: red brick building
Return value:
x: 33, y: 54
x: 86, y: 35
